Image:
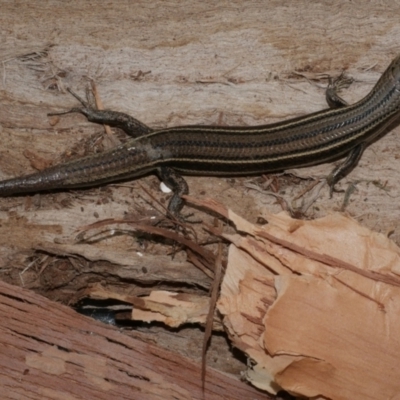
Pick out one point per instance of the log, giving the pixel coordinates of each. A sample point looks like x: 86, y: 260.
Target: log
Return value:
x: 230, y: 63
x: 48, y: 351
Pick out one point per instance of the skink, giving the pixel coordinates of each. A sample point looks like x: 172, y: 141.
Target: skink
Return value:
x: 213, y: 150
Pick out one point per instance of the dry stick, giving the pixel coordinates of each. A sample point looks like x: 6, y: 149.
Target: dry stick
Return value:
x: 197, y: 263
x: 207, y: 256
x: 210, y: 317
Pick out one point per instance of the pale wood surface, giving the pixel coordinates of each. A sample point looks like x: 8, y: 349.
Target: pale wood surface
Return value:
x: 170, y: 63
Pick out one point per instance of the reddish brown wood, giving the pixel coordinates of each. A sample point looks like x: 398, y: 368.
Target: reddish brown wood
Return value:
x: 48, y: 351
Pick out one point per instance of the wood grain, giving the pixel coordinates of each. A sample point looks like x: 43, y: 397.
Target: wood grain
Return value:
x: 49, y: 351
x: 225, y: 62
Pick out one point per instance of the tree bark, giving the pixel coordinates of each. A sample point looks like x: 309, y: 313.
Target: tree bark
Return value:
x: 167, y: 64
x: 48, y: 351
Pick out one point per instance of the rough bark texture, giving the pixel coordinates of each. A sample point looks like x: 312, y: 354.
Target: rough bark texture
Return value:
x: 170, y: 63
x: 48, y: 351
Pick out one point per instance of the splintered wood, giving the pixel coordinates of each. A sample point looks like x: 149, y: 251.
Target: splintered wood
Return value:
x: 315, y: 305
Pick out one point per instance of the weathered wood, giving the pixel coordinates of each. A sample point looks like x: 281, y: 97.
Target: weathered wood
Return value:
x: 49, y: 351
x: 168, y: 64
x: 227, y: 62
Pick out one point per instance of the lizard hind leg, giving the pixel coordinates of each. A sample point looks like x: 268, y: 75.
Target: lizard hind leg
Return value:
x: 130, y: 125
